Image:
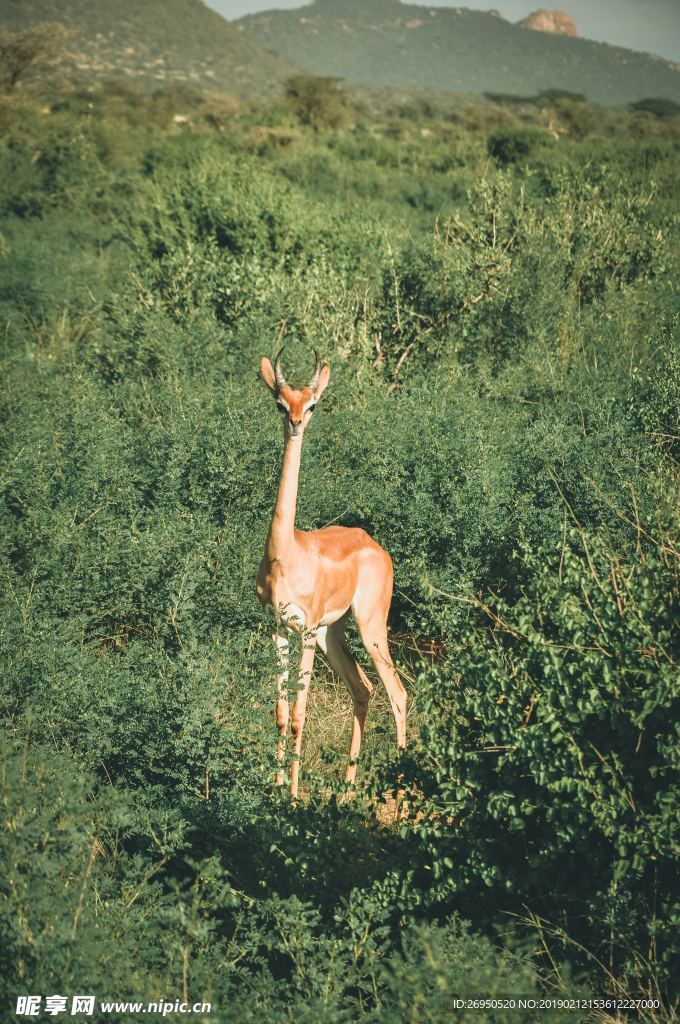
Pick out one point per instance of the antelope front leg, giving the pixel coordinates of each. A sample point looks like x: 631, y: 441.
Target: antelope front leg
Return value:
x: 297, y: 724
x: 282, y: 702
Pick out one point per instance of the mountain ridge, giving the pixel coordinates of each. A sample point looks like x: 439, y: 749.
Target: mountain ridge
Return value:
x: 454, y: 49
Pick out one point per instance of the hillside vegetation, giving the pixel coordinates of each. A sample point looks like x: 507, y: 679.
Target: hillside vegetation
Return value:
x: 496, y: 294
x: 155, y: 43
x: 386, y: 42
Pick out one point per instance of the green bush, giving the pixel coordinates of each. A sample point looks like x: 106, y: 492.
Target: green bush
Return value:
x: 659, y: 107
x: 316, y: 101
x: 551, y: 743
x: 515, y: 145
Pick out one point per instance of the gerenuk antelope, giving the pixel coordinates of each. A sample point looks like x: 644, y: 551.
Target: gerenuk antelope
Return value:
x: 313, y: 580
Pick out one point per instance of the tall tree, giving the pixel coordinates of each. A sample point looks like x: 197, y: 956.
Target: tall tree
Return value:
x: 22, y: 51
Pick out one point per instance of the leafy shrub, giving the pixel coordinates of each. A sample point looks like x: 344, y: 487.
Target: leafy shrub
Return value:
x: 316, y: 101
x: 655, y: 397
x: 658, y: 106
x: 88, y: 872
x: 511, y: 272
x: 559, y: 95
x: 514, y: 145
x: 551, y: 742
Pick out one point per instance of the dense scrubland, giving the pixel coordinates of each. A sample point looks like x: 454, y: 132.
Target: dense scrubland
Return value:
x: 494, y: 289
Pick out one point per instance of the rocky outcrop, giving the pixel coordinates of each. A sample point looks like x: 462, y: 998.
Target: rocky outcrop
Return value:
x: 557, y: 22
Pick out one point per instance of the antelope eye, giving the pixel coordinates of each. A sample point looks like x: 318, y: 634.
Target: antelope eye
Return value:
x: 311, y: 408
x: 281, y: 407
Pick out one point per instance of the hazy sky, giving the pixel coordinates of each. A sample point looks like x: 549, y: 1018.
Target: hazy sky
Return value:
x: 652, y: 25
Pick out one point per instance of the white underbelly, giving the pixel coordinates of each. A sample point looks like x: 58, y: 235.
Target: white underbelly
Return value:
x: 292, y: 617
x: 331, y: 617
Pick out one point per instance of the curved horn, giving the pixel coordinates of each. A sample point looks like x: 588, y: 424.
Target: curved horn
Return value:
x: 278, y: 372
x: 314, y: 381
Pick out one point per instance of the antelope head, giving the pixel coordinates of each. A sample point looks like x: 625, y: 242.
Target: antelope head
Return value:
x: 295, y: 405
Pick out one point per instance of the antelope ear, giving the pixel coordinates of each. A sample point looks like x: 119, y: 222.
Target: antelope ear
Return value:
x: 324, y: 377
x: 268, y: 376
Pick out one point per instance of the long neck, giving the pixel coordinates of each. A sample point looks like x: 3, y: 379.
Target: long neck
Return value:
x: 283, y: 520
